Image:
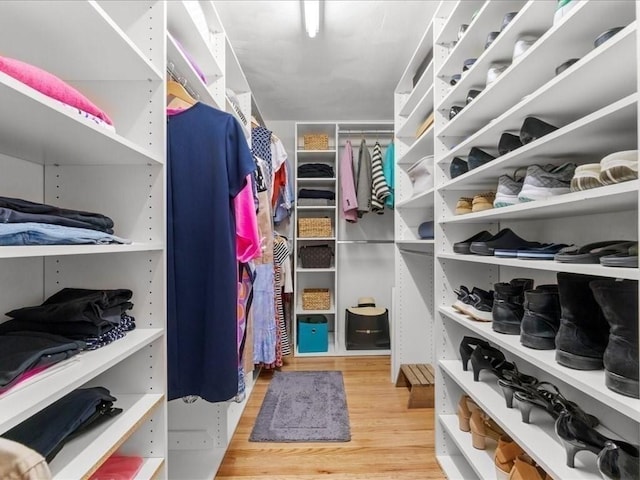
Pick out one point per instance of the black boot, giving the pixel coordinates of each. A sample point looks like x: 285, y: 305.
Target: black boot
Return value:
x: 508, y: 307
x: 541, y: 318
x: 584, y: 332
x: 619, y: 303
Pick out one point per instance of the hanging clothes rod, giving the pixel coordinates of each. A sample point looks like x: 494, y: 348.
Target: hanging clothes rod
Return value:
x: 347, y: 242
x: 362, y: 132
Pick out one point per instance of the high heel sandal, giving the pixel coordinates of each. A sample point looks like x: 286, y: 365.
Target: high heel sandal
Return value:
x: 547, y: 397
x: 576, y: 436
x: 483, y: 427
x: 617, y: 462
x: 489, y: 358
x: 513, y: 381
x: 467, y: 347
x: 466, y: 406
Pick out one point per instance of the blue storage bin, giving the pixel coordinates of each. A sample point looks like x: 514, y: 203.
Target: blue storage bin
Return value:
x: 312, y: 336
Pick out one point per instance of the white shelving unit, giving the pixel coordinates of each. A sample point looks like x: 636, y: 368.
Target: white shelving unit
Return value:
x: 51, y: 155
x: 594, y: 120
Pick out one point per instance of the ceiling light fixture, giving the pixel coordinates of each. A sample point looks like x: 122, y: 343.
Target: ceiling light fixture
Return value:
x: 312, y: 17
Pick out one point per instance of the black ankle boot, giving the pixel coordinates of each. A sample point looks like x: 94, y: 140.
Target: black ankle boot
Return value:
x: 541, y: 318
x: 508, y: 307
x: 584, y: 332
x: 619, y: 303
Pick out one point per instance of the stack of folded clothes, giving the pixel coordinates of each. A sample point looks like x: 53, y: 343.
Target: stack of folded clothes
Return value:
x: 68, y: 322
x: 315, y: 170
x: 47, y: 431
x: 311, y: 196
x: 28, y: 223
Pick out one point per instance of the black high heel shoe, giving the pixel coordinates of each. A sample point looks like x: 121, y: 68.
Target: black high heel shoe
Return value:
x: 513, y: 381
x: 492, y: 359
x: 467, y: 347
x: 618, y: 462
x: 576, y: 436
x: 548, y: 398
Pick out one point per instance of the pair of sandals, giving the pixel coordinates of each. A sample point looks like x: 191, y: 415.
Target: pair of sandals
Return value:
x: 610, y: 253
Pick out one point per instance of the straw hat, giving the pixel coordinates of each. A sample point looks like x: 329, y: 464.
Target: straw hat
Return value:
x: 367, y: 306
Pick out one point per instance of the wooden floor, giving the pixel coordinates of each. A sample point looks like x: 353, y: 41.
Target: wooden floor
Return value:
x: 388, y: 441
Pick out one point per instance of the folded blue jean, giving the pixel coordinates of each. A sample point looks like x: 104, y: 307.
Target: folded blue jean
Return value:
x: 30, y: 233
x: 7, y: 215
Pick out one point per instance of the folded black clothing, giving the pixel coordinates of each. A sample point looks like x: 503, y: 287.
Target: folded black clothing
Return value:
x: 23, y: 351
x: 126, y: 324
x: 79, y: 305
x: 315, y: 170
x: 47, y: 431
x: 7, y: 215
x: 312, y: 193
x: 99, y: 221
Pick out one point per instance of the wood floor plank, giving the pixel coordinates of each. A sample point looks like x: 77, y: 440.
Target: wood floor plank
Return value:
x: 388, y: 440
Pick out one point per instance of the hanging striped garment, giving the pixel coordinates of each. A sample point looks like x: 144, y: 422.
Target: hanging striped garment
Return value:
x: 379, y: 188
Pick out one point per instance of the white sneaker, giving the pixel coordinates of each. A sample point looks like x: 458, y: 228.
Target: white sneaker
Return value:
x: 619, y: 167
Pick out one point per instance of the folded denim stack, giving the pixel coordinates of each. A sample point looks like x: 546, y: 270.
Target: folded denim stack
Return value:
x: 68, y: 322
x: 315, y: 170
x: 575, y: 427
x: 28, y: 223
x: 81, y: 410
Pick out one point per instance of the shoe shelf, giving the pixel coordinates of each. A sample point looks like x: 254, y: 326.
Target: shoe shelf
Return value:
x: 610, y: 129
x: 533, y: 16
x: 609, y: 198
x: 573, y: 37
x: 422, y: 200
x: 461, y: 13
x: 471, y: 44
x: 40, y: 391
x: 548, y: 265
x: 538, y: 438
x: 419, y: 93
x: 412, y: 93
x: 416, y: 246
x: 82, y: 456
x: 455, y: 469
x: 480, y: 460
x: 419, y: 114
x: 589, y: 381
x: 422, y: 147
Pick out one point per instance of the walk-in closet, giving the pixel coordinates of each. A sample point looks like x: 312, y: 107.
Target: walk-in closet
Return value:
x: 298, y: 239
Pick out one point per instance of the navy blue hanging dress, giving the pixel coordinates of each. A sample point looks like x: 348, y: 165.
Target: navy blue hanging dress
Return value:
x: 208, y: 160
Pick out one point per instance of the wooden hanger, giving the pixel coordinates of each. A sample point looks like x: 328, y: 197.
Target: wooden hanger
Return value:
x: 254, y: 122
x: 178, y: 96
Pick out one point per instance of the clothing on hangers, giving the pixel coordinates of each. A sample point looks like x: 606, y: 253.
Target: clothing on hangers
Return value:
x: 387, y: 170
x: 363, y: 179
x: 348, y: 186
x: 379, y: 189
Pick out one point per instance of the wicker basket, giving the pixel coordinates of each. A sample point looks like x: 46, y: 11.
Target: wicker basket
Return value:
x: 316, y: 141
x: 314, y: 227
x: 316, y: 299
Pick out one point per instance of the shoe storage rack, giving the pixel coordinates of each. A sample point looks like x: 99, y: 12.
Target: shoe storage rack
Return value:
x: 113, y: 53
x: 594, y: 104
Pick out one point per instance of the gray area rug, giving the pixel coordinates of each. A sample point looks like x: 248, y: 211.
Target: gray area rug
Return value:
x: 303, y: 407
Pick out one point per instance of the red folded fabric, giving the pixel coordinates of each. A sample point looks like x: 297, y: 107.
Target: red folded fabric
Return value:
x: 118, y: 467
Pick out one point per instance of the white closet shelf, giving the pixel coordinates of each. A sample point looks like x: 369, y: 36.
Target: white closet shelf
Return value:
x: 423, y: 200
x: 331, y: 311
x: 234, y: 76
x: 590, y: 382
x: 184, y: 68
x: 583, y: 23
x: 82, y: 456
x: 610, y: 198
x: 422, y: 147
x: 201, y: 465
x: 315, y: 270
x: 418, y: 115
x: 417, y: 247
x: 75, y: 47
x: 315, y: 239
x: 303, y: 208
x: 460, y: 14
x: 532, y: 17
x: 42, y: 390
x: 454, y: 468
x: 326, y: 181
x: 58, y: 250
x: 548, y: 265
x: 39, y: 130
x: 149, y: 469
x: 304, y: 154
x: 405, y: 85
x: 245, y: 128
x: 418, y: 93
x: 592, y: 137
x: 480, y: 460
x: 185, y: 28
x: 552, y: 458
x: 489, y: 18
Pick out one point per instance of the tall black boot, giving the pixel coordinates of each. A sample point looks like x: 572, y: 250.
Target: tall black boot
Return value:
x: 584, y: 332
x: 541, y: 319
x: 508, y: 307
x: 619, y: 303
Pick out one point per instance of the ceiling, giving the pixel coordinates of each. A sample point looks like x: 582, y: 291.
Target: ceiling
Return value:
x: 347, y: 72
